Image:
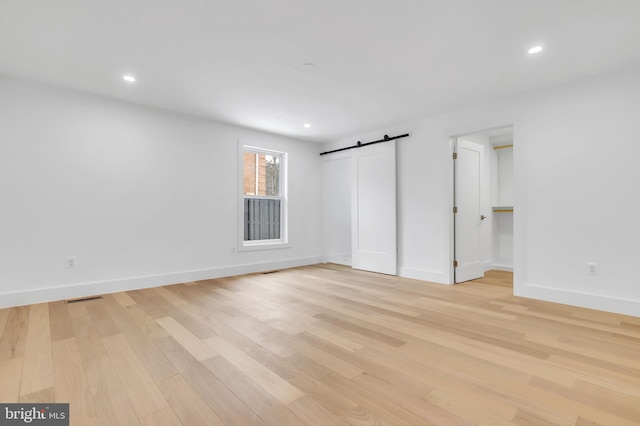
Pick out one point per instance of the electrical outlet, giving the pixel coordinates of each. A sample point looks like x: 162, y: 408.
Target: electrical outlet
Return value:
x: 71, y: 262
x: 592, y: 268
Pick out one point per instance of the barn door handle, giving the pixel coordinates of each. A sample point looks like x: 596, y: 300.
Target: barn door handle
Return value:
x: 482, y: 217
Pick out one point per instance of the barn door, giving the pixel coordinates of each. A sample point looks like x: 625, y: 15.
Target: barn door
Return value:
x: 373, y: 204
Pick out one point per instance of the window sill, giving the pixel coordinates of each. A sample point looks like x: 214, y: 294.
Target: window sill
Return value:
x: 252, y: 246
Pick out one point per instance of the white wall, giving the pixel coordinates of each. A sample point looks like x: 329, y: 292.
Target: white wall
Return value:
x: 504, y: 170
x: 575, y: 186
x: 142, y: 197
x: 336, y: 175
x: 503, y: 221
x: 503, y: 241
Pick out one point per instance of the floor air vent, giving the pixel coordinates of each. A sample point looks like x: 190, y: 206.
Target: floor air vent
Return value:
x: 84, y: 299
x: 269, y: 272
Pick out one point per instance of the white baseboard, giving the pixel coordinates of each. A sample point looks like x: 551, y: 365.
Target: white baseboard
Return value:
x: 339, y: 258
x: 585, y: 300
x: 498, y: 267
x: 75, y: 291
x: 423, y: 274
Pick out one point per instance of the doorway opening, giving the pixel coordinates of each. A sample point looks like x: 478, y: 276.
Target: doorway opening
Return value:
x: 483, y: 208
x: 495, y: 278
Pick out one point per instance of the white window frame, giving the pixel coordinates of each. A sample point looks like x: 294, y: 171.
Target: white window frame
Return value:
x: 283, y: 241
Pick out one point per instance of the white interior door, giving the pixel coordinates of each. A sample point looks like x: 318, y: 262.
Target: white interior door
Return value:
x: 469, y: 218
x: 373, y: 208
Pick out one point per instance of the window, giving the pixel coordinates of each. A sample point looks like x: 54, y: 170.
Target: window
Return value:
x: 263, y: 197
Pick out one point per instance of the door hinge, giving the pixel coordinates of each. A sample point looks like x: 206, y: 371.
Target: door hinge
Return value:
x: 455, y: 155
x: 455, y: 210
x: 455, y: 263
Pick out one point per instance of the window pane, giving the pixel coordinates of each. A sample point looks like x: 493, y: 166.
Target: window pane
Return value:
x: 272, y: 175
x: 261, y: 174
x: 249, y: 172
x: 261, y: 219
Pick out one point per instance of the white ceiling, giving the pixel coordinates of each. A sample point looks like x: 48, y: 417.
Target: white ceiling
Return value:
x: 378, y: 62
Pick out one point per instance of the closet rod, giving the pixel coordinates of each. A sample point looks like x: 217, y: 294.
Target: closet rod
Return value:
x: 360, y: 144
x: 503, y: 146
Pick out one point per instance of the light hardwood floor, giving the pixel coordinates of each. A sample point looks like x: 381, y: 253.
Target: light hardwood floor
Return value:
x: 324, y: 345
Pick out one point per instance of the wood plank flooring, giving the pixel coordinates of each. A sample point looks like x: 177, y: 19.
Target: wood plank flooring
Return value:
x: 324, y: 345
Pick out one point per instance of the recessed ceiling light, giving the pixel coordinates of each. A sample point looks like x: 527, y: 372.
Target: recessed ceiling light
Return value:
x: 308, y: 66
x: 129, y: 78
x: 535, y: 49
x: 307, y: 125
